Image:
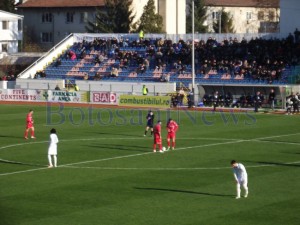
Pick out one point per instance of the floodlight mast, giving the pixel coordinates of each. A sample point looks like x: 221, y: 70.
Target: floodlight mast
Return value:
x: 193, y: 48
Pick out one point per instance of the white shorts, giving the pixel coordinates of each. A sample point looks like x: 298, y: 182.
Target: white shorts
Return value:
x: 243, y: 181
x: 52, y: 150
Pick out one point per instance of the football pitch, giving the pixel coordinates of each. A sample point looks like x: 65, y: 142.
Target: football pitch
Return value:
x: 107, y: 173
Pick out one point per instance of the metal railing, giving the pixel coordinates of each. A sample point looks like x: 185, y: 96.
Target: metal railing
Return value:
x: 45, y: 55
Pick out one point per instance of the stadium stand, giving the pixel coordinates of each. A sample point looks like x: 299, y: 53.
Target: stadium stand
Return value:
x: 258, y: 61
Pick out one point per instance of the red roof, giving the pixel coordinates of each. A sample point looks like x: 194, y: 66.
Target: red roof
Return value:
x: 244, y: 3
x: 93, y: 3
x: 61, y: 3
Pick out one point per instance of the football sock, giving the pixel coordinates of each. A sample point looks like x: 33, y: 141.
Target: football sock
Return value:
x: 246, y: 189
x: 55, y: 160
x: 173, y: 144
x: 32, y: 133
x: 160, y: 147
x: 26, y: 133
x: 145, y: 132
x: 50, y: 160
x: 238, y: 190
x: 168, y: 143
x: 154, y: 146
x: 151, y: 132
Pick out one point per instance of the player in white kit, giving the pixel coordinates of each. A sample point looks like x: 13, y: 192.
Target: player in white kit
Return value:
x: 241, y: 178
x: 52, y: 150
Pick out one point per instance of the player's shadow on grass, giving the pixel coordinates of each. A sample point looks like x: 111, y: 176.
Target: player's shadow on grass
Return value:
x: 283, y: 142
x: 292, y: 153
x: 9, y: 136
x: 131, y: 148
x: 185, y: 191
x: 19, y: 163
x: 116, y: 134
x: 278, y: 164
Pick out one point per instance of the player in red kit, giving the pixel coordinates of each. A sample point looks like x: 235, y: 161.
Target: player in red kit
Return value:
x: 157, y: 137
x: 29, y: 125
x: 172, y: 128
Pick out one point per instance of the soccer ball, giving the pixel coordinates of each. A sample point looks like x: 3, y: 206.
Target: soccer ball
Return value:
x: 164, y: 148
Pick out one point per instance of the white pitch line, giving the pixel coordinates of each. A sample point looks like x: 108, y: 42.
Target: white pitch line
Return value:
x: 277, y: 142
x: 23, y: 171
x: 284, y: 135
x: 146, y: 153
x: 20, y: 144
x: 173, y: 169
x: 127, y: 156
x: 108, y: 138
x: 119, y: 157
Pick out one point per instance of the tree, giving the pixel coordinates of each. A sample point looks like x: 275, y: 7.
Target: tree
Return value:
x: 104, y: 21
x: 150, y: 22
x: 8, y: 5
x: 124, y: 15
x: 199, y: 17
x: 226, y: 23
x: 115, y: 17
x: 30, y: 43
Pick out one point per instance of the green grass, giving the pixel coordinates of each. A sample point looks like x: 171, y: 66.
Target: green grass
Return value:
x: 108, y: 174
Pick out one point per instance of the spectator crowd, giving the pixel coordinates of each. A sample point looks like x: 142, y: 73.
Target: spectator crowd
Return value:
x: 256, y: 59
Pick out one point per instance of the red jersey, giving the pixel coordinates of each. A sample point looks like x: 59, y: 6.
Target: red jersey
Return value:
x: 157, y: 134
x: 172, y: 127
x: 157, y: 129
x: 29, y: 120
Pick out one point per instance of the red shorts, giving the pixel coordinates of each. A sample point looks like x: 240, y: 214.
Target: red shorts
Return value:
x: 29, y: 125
x: 171, y: 135
x: 157, y: 140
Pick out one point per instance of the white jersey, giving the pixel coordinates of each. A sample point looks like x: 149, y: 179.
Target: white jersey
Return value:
x: 52, y: 150
x: 240, y: 173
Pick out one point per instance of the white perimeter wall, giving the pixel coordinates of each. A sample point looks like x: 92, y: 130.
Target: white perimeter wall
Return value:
x: 126, y: 88
x: 117, y: 87
x: 44, y: 84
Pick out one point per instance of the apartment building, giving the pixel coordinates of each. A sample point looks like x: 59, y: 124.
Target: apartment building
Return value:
x: 48, y: 22
x: 11, y: 33
x: 249, y: 16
